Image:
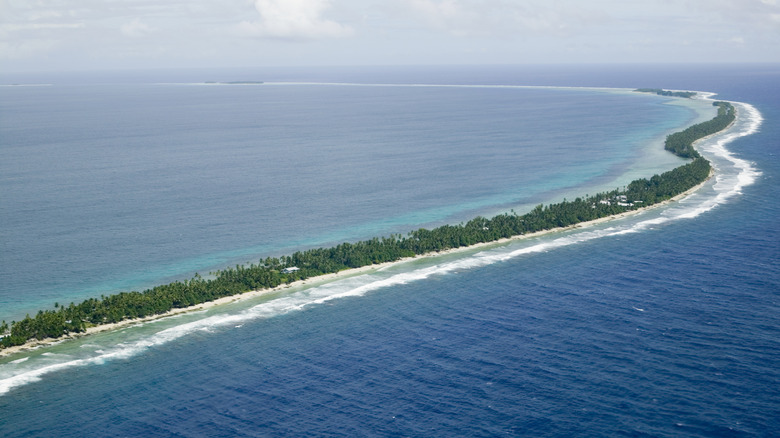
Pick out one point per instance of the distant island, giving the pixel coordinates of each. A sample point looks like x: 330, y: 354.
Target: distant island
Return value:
x: 234, y: 83
x: 72, y: 319
x: 660, y: 92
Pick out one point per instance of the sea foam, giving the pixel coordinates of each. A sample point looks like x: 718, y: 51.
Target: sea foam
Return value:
x: 733, y: 174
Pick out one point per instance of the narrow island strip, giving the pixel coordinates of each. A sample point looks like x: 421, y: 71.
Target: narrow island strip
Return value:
x: 125, y: 308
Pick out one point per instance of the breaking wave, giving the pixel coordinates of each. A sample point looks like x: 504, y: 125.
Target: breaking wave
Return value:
x: 732, y: 175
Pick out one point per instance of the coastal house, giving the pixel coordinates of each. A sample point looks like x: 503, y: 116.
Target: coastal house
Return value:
x: 290, y: 270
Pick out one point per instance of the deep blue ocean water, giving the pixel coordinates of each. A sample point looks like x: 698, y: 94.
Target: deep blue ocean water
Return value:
x: 665, y: 324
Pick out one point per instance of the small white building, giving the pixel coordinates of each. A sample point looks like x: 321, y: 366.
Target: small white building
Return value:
x: 290, y: 270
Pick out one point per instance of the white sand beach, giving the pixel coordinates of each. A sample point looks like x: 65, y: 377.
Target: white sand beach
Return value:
x: 35, y: 344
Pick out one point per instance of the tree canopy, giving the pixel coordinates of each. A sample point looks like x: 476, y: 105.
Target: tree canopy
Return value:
x: 271, y: 272
x: 660, y: 92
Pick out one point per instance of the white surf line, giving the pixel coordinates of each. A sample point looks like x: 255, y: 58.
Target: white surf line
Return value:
x: 725, y: 189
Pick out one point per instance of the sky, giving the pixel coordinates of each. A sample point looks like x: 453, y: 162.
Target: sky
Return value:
x: 76, y: 35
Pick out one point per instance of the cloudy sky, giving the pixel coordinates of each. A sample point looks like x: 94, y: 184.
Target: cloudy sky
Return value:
x: 55, y: 35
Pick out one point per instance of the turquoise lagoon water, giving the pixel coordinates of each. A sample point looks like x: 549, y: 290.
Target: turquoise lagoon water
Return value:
x: 137, y: 184
x: 664, y: 324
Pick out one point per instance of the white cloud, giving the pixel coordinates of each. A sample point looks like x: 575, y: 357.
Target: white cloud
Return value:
x: 293, y: 20
x: 504, y: 18
x: 437, y: 11
x: 25, y: 48
x: 749, y: 15
x: 136, y: 29
x: 41, y: 26
x: 53, y: 34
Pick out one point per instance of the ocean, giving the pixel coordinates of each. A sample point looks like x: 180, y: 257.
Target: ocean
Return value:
x: 661, y: 324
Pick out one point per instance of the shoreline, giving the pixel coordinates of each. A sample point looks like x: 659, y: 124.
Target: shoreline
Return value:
x: 326, y: 278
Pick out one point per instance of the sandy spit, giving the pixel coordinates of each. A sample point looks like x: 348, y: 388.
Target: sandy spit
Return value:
x: 35, y: 344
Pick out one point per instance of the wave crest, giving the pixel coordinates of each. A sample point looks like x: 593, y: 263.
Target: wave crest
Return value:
x: 732, y: 175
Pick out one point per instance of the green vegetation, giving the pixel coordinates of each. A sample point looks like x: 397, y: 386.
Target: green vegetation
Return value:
x: 681, y: 143
x: 660, y: 92
x: 271, y: 272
